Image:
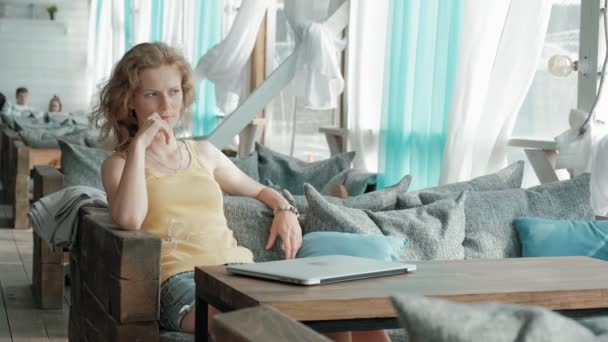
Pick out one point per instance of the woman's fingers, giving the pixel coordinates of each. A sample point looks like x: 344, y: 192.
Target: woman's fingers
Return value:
x: 296, y: 243
x: 287, y: 247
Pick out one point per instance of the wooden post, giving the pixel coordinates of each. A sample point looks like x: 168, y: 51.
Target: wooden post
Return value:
x: 21, y: 155
x: 47, y: 265
x: 258, y: 72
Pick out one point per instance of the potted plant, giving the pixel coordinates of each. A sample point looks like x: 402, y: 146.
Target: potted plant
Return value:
x: 52, y: 9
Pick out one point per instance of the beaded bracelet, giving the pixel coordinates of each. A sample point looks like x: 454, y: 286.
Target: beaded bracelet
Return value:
x: 287, y: 207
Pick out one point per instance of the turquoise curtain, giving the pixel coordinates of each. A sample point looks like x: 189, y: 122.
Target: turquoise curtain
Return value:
x: 128, y: 24
x: 97, y: 17
x: 422, y: 44
x: 156, y: 21
x: 208, y: 29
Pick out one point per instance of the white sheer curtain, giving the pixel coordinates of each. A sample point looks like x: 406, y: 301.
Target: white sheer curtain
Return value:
x: 105, y: 45
x: 365, y: 78
x: 501, y: 44
x: 142, y: 11
x: 226, y: 63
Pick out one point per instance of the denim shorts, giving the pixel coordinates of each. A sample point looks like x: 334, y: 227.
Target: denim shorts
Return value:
x: 177, y: 298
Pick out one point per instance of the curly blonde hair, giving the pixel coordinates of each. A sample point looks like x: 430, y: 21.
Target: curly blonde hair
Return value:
x: 112, y: 115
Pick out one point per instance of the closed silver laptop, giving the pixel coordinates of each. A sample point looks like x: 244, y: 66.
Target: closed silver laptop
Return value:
x: 321, y: 270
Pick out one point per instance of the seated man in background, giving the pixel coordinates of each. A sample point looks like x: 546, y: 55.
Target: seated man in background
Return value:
x: 21, y: 97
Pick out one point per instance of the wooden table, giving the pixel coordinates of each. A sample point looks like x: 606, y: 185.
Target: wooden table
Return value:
x: 560, y: 283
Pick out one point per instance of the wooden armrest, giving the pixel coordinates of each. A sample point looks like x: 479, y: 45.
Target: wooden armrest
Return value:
x: 120, y: 268
x: 47, y: 180
x: 263, y: 324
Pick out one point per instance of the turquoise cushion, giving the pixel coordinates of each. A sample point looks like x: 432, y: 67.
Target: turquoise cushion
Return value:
x: 370, y: 246
x: 543, y: 237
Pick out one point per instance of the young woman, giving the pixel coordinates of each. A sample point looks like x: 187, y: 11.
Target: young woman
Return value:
x: 55, y: 104
x: 174, y: 188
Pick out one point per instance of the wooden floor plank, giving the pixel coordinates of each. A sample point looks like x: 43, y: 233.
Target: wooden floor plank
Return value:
x: 56, y: 324
x: 23, y: 241
x: 26, y: 322
x: 5, y: 332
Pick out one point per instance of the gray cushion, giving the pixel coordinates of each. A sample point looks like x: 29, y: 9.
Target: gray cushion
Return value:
x: 250, y: 220
x: 45, y: 136
x: 435, y: 231
x: 380, y: 200
x: 507, y: 178
x: 81, y: 165
x: 490, y: 230
x: 291, y: 173
x: 355, y: 181
x: 91, y: 139
x: 425, y: 319
x: 249, y: 165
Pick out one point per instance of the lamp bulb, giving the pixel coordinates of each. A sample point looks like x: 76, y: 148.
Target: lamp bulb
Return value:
x: 560, y: 65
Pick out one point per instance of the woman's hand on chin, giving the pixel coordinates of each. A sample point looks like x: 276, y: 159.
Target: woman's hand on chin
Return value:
x: 154, y: 128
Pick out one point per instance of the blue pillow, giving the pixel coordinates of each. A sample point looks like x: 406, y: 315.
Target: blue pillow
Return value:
x: 370, y: 246
x: 543, y: 237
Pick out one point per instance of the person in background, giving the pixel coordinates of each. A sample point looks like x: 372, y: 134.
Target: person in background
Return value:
x: 2, y: 101
x: 55, y: 104
x: 21, y: 96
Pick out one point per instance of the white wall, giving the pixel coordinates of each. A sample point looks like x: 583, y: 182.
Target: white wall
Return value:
x: 47, y: 57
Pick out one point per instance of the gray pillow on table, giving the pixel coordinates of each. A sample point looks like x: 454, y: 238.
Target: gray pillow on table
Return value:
x: 355, y: 182
x: 507, y: 178
x: 81, y: 165
x: 426, y: 319
x: 490, y: 231
x: 434, y: 232
x: 249, y: 165
x: 250, y: 220
x: 291, y: 173
x: 47, y: 136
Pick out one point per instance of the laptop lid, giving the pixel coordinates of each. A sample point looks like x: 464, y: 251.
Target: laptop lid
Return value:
x: 321, y: 270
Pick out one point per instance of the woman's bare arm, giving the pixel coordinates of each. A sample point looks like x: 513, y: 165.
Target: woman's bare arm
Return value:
x: 233, y: 181
x: 230, y: 178
x: 125, y: 180
x: 125, y: 184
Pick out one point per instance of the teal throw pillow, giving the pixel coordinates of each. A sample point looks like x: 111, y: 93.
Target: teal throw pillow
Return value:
x: 370, y: 246
x: 544, y: 237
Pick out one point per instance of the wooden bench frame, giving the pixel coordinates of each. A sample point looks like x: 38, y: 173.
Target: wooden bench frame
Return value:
x: 18, y: 160
x: 115, y: 275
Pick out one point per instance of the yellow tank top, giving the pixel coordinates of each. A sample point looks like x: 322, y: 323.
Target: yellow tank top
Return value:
x: 186, y: 211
